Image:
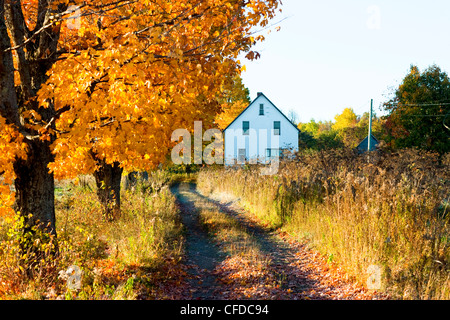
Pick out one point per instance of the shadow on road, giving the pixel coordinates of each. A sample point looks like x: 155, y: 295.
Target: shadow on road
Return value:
x: 281, y: 255
x: 202, y: 255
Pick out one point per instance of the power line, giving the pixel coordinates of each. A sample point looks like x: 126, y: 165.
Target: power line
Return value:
x: 418, y: 104
x: 425, y: 115
x: 270, y: 26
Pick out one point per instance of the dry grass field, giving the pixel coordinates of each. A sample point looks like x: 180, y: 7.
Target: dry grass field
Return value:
x: 391, y: 211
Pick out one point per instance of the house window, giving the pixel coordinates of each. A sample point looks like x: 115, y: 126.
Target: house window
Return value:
x: 241, y: 155
x: 276, y: 128
x: 261, y: 109
x: 272, y: 153
x: 245, y: 127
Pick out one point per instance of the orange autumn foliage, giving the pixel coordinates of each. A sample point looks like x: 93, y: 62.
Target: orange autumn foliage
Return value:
x: 128, y: 73
x: 11, y: 147
x: 229, y: 112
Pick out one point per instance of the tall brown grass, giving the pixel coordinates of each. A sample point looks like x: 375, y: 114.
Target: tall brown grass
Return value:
x: 117, y: 258
x: 391, y: 211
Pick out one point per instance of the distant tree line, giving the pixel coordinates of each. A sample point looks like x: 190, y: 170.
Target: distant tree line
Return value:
x: 415, y: 118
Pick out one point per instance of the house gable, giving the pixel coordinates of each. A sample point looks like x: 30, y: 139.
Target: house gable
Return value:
x: 254, y: 107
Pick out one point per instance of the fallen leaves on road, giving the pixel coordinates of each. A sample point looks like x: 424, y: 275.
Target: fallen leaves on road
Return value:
x: 305, y: 275
x: 265, y: 265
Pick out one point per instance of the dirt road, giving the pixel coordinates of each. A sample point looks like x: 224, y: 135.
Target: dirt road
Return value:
x: 269, y: 265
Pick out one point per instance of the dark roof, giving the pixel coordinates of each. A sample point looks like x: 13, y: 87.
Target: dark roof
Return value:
x: 262, y: 94
x: 363, y: 144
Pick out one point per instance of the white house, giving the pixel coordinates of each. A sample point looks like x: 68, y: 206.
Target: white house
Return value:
x: 259, y: 134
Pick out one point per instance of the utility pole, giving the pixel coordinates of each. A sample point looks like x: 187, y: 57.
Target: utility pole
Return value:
x: 369, y: 137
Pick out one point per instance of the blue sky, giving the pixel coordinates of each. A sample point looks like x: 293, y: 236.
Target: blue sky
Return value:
x: 334, y: 54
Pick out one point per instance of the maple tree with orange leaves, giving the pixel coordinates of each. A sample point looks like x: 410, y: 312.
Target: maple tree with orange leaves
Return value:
x: 92, y: 86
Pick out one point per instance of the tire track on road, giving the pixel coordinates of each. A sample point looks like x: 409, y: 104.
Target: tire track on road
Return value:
x: 289, y: 269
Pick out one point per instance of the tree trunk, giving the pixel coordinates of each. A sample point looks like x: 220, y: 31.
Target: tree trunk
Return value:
x: 131, y: 180
x: 35, y: 203
x: 35, y: 198
x: 34, y: 184
x: 107, y: 178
